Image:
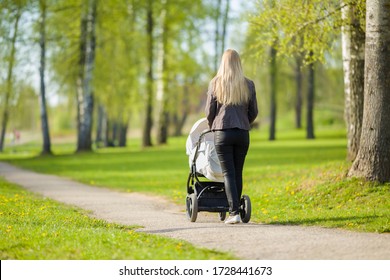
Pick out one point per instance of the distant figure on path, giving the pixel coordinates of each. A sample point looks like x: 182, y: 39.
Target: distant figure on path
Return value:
x: 17, y: 136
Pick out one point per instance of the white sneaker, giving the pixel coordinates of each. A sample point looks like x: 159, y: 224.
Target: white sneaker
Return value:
x: 233, y: 220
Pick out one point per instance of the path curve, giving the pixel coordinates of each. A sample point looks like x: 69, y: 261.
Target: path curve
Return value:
x: 245, y: 241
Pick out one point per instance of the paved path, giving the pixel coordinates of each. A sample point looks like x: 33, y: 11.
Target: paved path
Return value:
x: 246, y: 241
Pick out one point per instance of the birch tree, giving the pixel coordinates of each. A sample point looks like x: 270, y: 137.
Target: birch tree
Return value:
x: 353, y: 40
x: 310, y: 101
x: 85, y: 91
x: 217, y: 17
x: 299, y: 90
x: 273, y: 91
x: 16, y: 12
x: 373, y: 159
x: 221, y: 20
x: 162, y: 94
x: 148, y: 118
x: 46, y: 147
x: 175, y: 60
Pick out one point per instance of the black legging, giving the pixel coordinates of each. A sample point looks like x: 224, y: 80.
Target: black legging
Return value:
x: 232, y: 146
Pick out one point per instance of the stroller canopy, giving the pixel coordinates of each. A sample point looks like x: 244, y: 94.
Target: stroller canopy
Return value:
x: 207, y: 162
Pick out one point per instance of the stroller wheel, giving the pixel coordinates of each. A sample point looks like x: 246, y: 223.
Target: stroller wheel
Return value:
x: 245, y: 209
x: 222, y: 216
x: 192, y: 207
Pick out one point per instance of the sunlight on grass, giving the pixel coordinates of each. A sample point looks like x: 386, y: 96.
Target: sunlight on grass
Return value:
x: 32, y: 227
x: 290, y: 181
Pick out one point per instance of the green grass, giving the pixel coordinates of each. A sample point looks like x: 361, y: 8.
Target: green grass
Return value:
x: 290, y: 181
x: 296, y: 181
x: 32, y: 227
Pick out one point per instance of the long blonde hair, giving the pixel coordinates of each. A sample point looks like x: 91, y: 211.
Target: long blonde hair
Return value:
x: 230, y: 85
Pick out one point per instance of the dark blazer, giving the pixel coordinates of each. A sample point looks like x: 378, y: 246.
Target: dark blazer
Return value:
x: 221, y: 116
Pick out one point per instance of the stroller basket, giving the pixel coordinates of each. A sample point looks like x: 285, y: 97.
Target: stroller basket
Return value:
x: 211, y: 196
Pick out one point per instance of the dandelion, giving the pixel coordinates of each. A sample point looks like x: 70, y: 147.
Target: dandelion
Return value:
x: 179, y: 246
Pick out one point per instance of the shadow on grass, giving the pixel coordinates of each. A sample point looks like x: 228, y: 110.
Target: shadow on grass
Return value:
x: 334, y: 221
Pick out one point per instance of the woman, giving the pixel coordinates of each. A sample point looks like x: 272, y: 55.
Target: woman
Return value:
x: 230, y: 109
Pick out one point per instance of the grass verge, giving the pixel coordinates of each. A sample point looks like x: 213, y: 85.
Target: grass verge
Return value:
x: 32, y: 227
x: 290, y: 181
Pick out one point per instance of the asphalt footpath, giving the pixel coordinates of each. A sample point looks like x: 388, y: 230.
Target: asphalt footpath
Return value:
x: 245, y: 241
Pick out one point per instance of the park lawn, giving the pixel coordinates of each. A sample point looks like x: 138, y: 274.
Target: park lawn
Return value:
x: 32, y: 227
x: 290, y: 181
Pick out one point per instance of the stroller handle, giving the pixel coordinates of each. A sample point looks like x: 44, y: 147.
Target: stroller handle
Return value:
x: 201, y: 136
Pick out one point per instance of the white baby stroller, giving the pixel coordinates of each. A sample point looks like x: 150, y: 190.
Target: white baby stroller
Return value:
x: 207, y: 195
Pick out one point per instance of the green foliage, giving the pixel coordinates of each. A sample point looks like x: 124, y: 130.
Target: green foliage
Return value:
x: 63, y: 44
x: 120, y: 48
x: 32, y: 227
x: 24, y: 109
x: 296, y: 26
x: 120, y: 65
x: 290, y: 181
x: 329, y: 87
x: 119, y: 80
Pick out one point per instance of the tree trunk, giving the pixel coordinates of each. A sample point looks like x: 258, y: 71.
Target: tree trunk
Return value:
x: 180, y: 117
x: 147, y: 139
x: 46, y: 149
x: 298, y: 101
x: 216, y: 40
x: 9, y: 84
x: 80, y: 78
x: 122, y: 135
x: 224, y: 25
x: 162, y: 82
x: 310, y: 102
x: 373, y: 159
x: 115, y: 132
x: 108, y: 141
x: 100, y: 126
x: 179, y: 122
x: 353, y: 39
x: 273, y: 90
x: 162, y: 136
x: 86, y: 100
